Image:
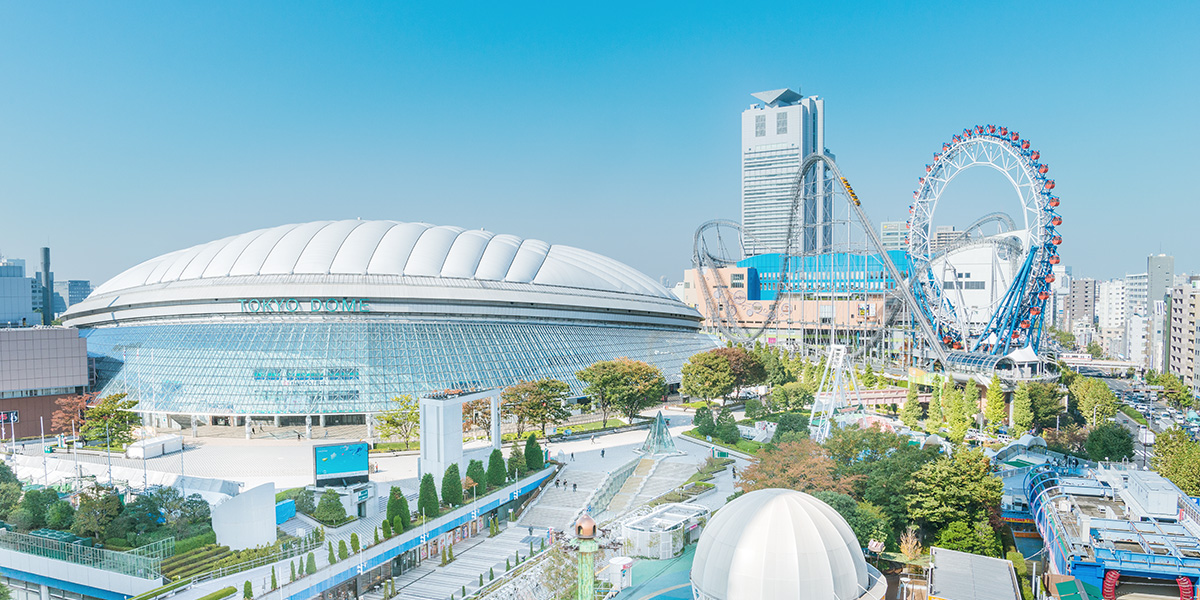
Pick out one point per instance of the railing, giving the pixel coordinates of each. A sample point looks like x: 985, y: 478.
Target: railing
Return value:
x: 298, y: 548
x: 146, y: 563
x: 611, y: 485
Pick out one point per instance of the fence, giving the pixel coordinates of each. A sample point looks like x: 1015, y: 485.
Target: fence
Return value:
x: 144, y: 563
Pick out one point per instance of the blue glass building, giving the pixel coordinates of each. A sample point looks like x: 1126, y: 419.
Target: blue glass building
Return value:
x: 337, y: 318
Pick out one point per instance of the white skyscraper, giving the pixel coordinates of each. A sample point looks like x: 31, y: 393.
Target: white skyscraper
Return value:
x: 1110, y: 315
x: 893, y: 234
x: 776, y: 136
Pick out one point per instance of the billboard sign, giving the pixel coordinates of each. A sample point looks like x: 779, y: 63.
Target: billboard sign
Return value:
x: 340, y: 464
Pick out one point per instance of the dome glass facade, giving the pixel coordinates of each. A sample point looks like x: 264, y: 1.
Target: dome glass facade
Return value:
x: 339, y: 317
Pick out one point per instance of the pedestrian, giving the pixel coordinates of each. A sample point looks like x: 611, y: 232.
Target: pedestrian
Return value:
x: 555, y: 483
x: 593, y: 439
x: 572, y: 457
x: 735, y: 472
x: 574, y: 487
x: 602, y: 453
x: 530, y: 532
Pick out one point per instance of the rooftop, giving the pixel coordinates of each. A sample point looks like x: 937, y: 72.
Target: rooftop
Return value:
x: 957, y: 575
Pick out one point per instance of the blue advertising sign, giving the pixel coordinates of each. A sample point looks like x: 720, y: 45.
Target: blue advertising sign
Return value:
x: 340, y: 464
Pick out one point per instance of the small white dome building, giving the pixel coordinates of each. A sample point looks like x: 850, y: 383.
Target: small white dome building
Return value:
x: 781, y: 544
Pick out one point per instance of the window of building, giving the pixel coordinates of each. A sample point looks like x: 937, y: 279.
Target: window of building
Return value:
x: 781, y: 123
x: 760, y: 125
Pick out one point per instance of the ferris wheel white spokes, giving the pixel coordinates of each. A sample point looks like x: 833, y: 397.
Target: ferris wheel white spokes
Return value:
x: 1017, y: 318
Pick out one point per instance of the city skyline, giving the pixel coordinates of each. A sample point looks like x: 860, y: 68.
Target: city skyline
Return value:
x: 149, y: 129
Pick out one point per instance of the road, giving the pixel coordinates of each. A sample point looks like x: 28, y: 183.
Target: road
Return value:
x: 1142, y: 454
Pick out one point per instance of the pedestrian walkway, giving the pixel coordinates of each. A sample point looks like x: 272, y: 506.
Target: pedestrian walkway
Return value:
x: 557, y: 506
x: 670, y: 474
x: 623, y: 499
x: 478, y: 556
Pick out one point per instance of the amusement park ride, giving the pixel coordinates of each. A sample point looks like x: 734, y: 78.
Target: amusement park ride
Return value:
x: 943, y: 337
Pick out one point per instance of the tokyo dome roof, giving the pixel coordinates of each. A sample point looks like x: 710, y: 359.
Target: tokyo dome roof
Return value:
x: 388, y: 248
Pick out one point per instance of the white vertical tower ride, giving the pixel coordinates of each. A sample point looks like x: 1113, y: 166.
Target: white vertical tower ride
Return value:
x: 837, y: 383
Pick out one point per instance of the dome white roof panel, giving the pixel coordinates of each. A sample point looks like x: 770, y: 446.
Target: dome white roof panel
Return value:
x: 389, y: 248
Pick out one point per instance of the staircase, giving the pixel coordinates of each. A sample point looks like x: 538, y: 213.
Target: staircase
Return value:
x: 668, y: 476
x: 557, y: 507
x: 623, y: 501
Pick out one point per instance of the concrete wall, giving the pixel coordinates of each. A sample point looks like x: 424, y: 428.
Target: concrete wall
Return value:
x: 246, y: 520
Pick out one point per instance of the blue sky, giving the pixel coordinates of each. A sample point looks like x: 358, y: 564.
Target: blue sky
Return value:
x: 132, y: 129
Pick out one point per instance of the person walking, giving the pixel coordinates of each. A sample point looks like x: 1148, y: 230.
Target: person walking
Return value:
x: 574, y: 487
x: 602, y: 453
x: 572, y: 457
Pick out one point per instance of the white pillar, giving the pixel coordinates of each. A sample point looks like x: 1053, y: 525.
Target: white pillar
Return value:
x: 496, y: 422
x: 441, y: 435
x: 308, y: 426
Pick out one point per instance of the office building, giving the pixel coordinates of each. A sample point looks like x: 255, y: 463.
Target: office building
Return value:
x: 1081, y: 304
x: 776, y: 136
x: 73, y: 291
x: 16, y: 295
x: 894, y: 235
x: 1184, y: 326
x: 331, y: 320
x: 1110, y: 315
x: 1160, y: 270
x: 943, y: 237
x: 1135, y: 339
x: 37, y: 367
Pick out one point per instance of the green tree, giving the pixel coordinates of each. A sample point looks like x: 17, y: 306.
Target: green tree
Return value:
x: 516, y: 460
x: 888, y: 481
x: 961, y: 536
x: 402, y: 421
x: 311, y: 567
x: 10, y: 497
x: 60, y: 515
x: 1022, y: 411
x: 601, y: 380
x: 954, y: 488
x: 995, y: 409
x: 1095, y: 350
x: 865, y: 520
x: 395, y: 495
x: 247, y: 590
x: 37, y: 502
x: 1046, y: 402
x: 496, y: 472
x: 476, y: 473
x: 97, y: 508
x: 6, y: 474
x: 1094, y: 399
x: 111, y: 418
x: 911, y: 414
x: 403, y: 518
x: 343, y: 552
x: 452, y: 486
x: 1109, y: 441
x: 427, y: 499
x: 707, y: 375
x: 795, y: 424
x: 534, y: 459
x: 935, y: 415
x: 792, y: 396
x: 355, y: 545
x: 956, y: 411
x: 274, y: 582
x: 387, y: 529
x: 293, y: 566
x: 746, y: 367
x: 330, y: 510
x: 1177, y: 458
x: 704, y: 422
x: 305, y: 501
x: 868, y: 379
x: 727, y: 430
x: 537, y: 402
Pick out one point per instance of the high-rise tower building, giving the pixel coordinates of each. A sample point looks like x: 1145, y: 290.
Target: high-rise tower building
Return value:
x: 1160, y: 270
x: 776, y: 136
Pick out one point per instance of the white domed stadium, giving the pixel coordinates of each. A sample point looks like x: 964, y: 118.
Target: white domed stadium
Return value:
x: 335, y: 318
x: 778, y: 544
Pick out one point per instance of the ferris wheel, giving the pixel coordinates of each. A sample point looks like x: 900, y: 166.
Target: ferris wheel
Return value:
x: 1017, y: 318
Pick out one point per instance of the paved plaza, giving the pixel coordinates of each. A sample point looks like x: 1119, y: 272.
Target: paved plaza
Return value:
x: 588, y: 461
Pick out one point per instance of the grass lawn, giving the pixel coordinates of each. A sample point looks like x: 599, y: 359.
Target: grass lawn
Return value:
x: 395, y: 446
x: 577, y: 428
x: 1133, y: 414
x: 743, y: 445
